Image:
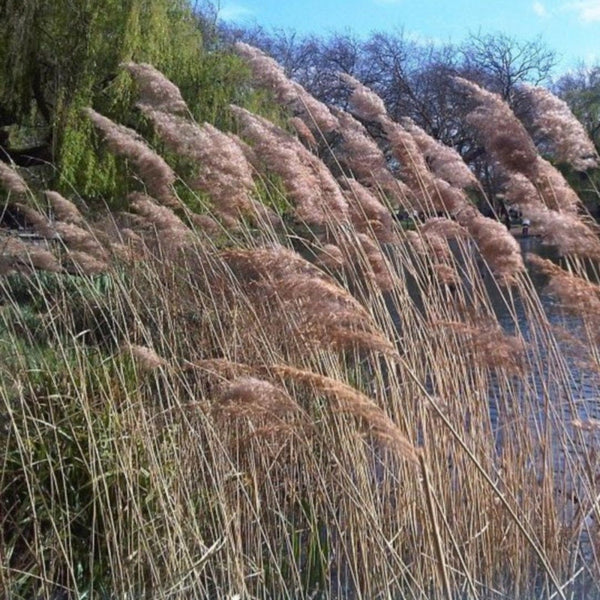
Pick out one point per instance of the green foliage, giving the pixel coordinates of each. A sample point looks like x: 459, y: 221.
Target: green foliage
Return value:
x: 55, y: 524
x: 49, y: 75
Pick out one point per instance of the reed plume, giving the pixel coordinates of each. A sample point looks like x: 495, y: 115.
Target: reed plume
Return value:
x: 297, y: 297
x: 317, y: 196
x: 82, y: 262
x: 222, y: 170
x: 253, y: 398
x: 577, y: 295
x: 507, y: 141
x: 519, y: 190
x: 16, y: 255
x: 82, y: 240
x: 489, y: 345
x: 556, y: 193
x: 444, y: 227
x: 359, y: 153
x: 304, y: 133
x: 592, y: 425
x: 377, y: 264
x: 270, y: 75
x: 429, y: 192
x: 171, y: 232
x: 567, y: 232
x: 63, y: 209
x: 366, y: 104
x: 499, y: 248
x: 155, y: 90
x: 558, y: 225
x: 350, y: 401
x: 367, y: 213
x: 444, y: 161
x: 39, y: 222
x: 11, y: 180
x: 156, y: 174
x: 146, y: 358
x: 502, y: 134
x: 554, y: 120
x: 430, y: 244
x: 331, y: 257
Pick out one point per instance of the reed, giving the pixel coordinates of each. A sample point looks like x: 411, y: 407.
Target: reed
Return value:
x: 324, y: 404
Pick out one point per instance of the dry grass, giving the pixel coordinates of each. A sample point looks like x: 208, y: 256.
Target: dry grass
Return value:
x: 333, y: 411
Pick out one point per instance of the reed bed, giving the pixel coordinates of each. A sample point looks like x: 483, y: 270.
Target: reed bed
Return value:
x: 278, y: 391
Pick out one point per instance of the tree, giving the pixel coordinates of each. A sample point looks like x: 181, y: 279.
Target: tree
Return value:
x: 59, y: 56
x: 500, y: 62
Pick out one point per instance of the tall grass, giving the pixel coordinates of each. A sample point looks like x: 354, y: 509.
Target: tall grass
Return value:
x: 203, y: 399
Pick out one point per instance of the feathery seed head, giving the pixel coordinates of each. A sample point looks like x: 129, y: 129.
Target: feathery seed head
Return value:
x: 155, y: 90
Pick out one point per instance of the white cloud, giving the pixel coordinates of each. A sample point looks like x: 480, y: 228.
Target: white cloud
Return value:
x: 231, y: 12
x: 588, y: 11
x: 539, y: 9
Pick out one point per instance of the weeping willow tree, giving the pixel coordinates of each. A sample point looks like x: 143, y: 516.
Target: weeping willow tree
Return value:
x: 58, y: 56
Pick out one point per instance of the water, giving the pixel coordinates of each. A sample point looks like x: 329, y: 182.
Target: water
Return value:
x: 583, y: 378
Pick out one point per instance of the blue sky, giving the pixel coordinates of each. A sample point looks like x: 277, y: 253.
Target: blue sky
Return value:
x: 570, y: 27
